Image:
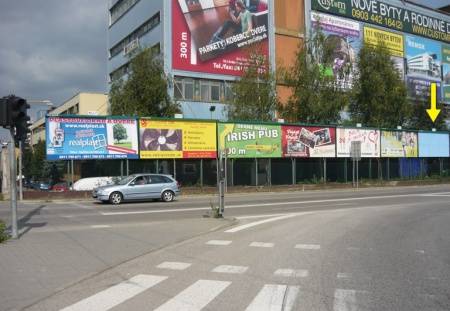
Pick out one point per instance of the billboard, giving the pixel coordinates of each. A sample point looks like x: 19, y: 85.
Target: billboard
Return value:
x: 421, y: 88
x: 250, y: 140
x: 392, y: 41
x: 397, y: 144
x: 446, y: 72
x: 433, y: 145
x: 308, y: 142
x: 91, y: 138
x: 346, y: 35
x: 370, y: 142
x: 167, y: 139
x: 211, y: 36
x: 396, y: 17
x: 423, y: 58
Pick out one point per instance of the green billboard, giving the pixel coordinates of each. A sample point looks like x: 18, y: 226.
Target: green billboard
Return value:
x: 245, y: 140
x: 387, y: 15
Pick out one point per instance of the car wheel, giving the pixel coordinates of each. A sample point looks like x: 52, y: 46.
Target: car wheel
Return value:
x: 115, y: 198
x: 167, y: 196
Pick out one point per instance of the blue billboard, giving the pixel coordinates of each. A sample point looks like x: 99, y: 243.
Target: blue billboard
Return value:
x: 433, y: 145
x: 70, y: 138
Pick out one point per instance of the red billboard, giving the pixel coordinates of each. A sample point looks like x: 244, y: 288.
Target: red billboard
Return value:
x: 213, y: 36
x: 308, y: 142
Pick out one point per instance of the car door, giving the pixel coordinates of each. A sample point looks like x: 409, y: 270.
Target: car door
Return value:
x: 136, y: 189
x: 156, y: 185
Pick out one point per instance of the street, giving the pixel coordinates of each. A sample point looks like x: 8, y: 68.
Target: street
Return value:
x: 371, y: 249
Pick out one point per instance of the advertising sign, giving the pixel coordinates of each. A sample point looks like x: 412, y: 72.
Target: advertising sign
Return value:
x: 446, y: 72
x: 382, y: 13
x: 433, y: 145
x: 392, y: 41
x: 305, y: 142
x: 421, y: 89
x: 250, y: 140
x: 91, y: 138
x: 177, y: 139
x: 210, y: 36
x: 423, y: 58
x: 346, y: 35
x: 397, y: 144
x: 370, y: 142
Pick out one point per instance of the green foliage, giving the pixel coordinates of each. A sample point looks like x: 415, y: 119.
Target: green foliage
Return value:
x: 3, y: 235
x: 144, y: 93
x: 379, y: 96
x: 318, y: 87
x: 254, y: 94
x: 119, y: 132
x: 36, y: 167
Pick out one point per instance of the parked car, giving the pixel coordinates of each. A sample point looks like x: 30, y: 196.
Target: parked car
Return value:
x: 60, y: 187
x: 41, y: 186
x: 139, y: 187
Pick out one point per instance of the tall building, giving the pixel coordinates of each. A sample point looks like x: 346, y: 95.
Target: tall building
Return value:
x: 204, y: 50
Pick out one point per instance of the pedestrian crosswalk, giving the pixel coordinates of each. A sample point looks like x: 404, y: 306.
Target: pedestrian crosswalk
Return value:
x: 197, y: 294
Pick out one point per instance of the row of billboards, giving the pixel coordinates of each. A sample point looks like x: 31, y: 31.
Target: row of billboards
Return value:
x: 69, y: 138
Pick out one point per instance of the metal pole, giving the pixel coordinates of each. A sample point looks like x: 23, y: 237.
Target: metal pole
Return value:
x: 157, y: 166
x: 256, y: 171
x: 293, y: 170
x: 13, y: 188
x: 71, y: 171
x: 232, y: 173
x: 441, y: 166
x: 269, y: 171
x: 357, y: 174
x: 128, y: 168
x: 388, y: 172
x: 226, y: 171
x: 20, y: 172
x: 201, y: 172
x: 324, y: 170
x: 353, y: 172
x: 174, y: 169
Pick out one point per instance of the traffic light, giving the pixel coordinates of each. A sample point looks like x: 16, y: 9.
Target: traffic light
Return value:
x: 18, y: 111
x: 5, y: 116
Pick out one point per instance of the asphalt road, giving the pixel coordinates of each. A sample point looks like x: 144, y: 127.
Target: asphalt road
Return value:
x: 372, y: 249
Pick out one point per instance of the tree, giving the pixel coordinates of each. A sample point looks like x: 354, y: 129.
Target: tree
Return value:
x: 144, y: 92
x: 419, y: 118
x: 254, y: 94
x: 119, y: 132
x: 318, y: 85
x: 379, y: 96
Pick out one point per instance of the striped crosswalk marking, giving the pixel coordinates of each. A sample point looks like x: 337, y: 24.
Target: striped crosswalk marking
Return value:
x: 195, y: 297
x: 346, y: 300
x: 116, y: 294
x: 261, y: 244
x: 273, y: 297
x: 308, y: 246
x: 173, y: 265
x: 230, y: 269
x: 291, y: 273
x: 219, y: 242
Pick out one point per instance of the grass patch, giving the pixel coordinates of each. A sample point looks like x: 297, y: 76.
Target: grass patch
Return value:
x: 126, y: 144
x: 3, y: 235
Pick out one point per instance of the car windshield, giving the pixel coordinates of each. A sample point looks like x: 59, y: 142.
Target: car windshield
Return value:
x: 126, y: 180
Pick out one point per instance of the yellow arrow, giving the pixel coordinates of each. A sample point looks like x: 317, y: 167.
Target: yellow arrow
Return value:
x: 433, y: 112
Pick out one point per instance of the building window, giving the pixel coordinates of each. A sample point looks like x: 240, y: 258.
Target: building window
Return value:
x: 135, y: 35
x: 184, y: 88
x: 202, y: 90
x: 120, y: 8
x: 119, y: 72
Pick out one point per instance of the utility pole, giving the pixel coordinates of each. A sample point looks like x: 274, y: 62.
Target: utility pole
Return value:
x: 20, y: 171
x: 13, y: 187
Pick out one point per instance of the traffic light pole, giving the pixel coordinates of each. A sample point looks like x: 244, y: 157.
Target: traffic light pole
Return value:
x: 20, y: 171
x: 13, y: 187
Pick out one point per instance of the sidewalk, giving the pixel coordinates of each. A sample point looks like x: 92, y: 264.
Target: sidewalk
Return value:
x: 43, y: 262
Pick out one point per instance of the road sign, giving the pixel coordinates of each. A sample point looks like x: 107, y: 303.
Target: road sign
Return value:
x: 355, y: 150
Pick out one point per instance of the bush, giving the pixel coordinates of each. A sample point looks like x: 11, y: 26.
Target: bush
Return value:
x: 3, y: 235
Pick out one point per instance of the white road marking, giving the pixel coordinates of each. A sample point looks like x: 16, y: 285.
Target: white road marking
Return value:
x: 259, y: 205
x: 261, y: 244
x: 116, y: 294
x: 219, y: 242
x: 230, y: 269
x: 195, y: 297
x: 345, y: 300
x: 291, y: 273
x: 273, y: 297
x: 100, y: 226
x: 343, y: 275
x: 172, y: 265
x: 258, y: 216
x: 420, y: 251
x: 308, y: 246
x: 260, y: 222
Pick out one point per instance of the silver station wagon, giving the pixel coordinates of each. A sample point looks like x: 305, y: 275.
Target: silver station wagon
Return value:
x: 139, y: 187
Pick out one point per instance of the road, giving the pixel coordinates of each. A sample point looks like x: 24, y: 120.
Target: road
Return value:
x: 372, y: 249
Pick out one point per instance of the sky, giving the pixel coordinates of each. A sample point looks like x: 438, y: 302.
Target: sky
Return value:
x: 53, y: 49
